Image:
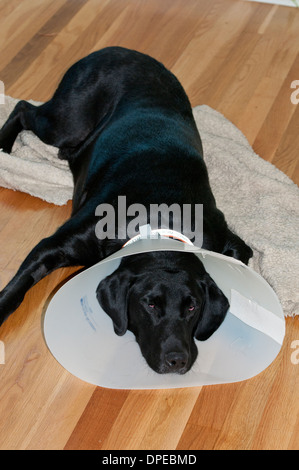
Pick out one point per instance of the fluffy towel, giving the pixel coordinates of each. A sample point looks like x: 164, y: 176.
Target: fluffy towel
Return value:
x: 33, y: 167
x: 260, y: 202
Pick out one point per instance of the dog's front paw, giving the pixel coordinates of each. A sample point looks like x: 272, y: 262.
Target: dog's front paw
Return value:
x: 6, y: 142
x: 4, y: 147
x: 4, y: 309
x: 8, y: 304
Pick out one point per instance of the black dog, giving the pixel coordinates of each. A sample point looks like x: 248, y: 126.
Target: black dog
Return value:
x: 125, y: 125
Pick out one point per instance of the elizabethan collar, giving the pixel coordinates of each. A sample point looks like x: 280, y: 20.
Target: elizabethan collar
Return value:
x: 80, y: 334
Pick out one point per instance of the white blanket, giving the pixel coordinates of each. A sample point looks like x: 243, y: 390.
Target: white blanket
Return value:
x: 260, y: 203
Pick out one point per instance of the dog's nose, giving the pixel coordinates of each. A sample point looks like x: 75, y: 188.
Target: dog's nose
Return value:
x: 176, y: 361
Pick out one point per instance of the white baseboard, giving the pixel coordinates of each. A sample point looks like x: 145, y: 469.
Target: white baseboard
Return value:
x: 287, y: 3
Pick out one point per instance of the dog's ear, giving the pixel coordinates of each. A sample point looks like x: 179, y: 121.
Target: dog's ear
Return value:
x: 112, y: 295
x: 214, y: 309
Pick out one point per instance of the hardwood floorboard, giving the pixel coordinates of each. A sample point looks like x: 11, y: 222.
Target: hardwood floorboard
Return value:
x: 42, y: 38
x: 236, y: 56
x: 274, y: 127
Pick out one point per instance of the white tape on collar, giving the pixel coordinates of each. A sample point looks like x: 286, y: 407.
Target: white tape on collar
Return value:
x: 147, y: 232
x: 256, y: 316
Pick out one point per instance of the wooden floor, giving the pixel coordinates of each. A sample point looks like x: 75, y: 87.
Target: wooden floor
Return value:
x: 238, y: 57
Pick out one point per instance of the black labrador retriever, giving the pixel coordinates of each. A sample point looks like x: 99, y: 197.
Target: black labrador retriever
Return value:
x: 125, y: 125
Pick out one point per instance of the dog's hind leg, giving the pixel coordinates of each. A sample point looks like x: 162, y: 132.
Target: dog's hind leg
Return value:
x: 19, y: 119
x: 83, y: 102
x: 43, y: 120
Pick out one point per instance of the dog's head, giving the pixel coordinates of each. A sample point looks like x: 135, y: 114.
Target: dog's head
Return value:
x: 166, y: 299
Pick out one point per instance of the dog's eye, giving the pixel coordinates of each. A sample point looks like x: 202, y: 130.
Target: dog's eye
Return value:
x: 189, y: 311
x: 154, y: 310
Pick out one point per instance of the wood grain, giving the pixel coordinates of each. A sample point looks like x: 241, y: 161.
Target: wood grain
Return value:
x: 238, y: 57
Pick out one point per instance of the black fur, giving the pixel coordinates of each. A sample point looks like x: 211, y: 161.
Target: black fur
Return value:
x: 125, y: 125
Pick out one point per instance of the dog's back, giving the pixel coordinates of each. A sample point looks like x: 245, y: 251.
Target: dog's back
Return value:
x: 125, y: 125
